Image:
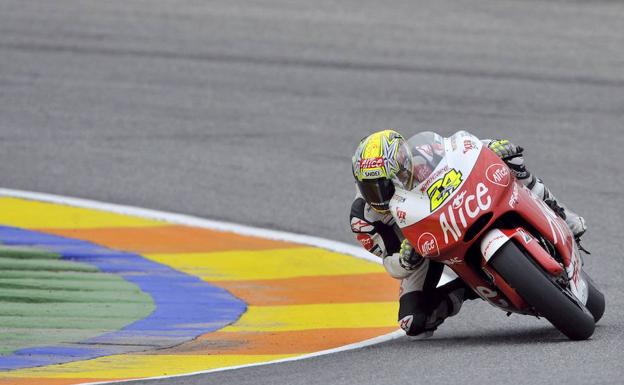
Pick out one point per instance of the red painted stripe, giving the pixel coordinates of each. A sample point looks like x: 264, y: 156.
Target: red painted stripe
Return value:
x: 371, y: 287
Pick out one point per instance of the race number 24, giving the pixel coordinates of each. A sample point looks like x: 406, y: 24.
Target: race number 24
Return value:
x: 442, y: 188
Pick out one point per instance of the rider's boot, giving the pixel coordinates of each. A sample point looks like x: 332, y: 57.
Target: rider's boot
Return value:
x: 450, y: 298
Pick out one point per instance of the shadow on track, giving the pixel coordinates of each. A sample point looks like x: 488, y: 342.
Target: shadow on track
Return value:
x: 515, y: 336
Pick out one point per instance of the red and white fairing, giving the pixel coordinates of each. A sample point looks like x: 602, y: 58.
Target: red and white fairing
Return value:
x: 462, y: 226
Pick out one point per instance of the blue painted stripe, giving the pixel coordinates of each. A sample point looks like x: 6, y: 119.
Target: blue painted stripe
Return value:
x: 186, y: 306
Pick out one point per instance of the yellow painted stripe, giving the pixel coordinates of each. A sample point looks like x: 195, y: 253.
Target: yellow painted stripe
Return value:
x: 34, y: 215
x: 317, y: 316
x: 258, y: 266
x: 141, y: 365
x: 266, y: 264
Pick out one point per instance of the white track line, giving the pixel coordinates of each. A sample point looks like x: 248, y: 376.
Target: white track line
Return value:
x: 190, y: 220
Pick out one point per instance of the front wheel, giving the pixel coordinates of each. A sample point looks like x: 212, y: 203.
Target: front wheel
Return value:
x: 595, y: 298
x: 542, y: 293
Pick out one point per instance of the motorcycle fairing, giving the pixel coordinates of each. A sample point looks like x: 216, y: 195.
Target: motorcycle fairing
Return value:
x: 455, y: 159
x: 446, y: 233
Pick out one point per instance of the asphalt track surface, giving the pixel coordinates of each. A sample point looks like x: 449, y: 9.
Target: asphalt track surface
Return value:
x: 249, y: 112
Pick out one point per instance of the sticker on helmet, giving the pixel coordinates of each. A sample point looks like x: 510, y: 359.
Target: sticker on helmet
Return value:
x: 372, y: 173
x: 371, y: 163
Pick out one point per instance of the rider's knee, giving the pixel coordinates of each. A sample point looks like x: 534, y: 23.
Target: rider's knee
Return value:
x: 413, y: 312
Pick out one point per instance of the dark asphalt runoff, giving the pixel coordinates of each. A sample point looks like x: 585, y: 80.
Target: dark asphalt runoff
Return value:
x: 249, y: 111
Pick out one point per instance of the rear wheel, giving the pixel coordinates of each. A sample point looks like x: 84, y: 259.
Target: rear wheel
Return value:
x: 541, y: 292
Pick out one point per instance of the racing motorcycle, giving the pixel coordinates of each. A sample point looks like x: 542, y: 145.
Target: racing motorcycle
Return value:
x: 512, y: 249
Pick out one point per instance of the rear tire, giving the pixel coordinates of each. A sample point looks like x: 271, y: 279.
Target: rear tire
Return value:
x: 540, y: 291
x: 595, y: 299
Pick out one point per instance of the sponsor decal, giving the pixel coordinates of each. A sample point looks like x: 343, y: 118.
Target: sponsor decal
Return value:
x: 400, y: 214
x: 453, y: 261
x: 398, y: 198
x: 513, y: 199
x: 491, y: 296
x: 453, y: 144
x: 428, y: 245
x: 468, y: 145
x: 372, y: 174
x: 453, y: 221
x: 498, y: 174
x: 494, y: 241
x: 441, y: 189
x: 366, y: 241
x: 377, y: 162
x: 360, y: 226
x: 527, y: 238
x: 556, y: 228
x: 433, y: 177
x: 376, y: 250
x: 406, y: 322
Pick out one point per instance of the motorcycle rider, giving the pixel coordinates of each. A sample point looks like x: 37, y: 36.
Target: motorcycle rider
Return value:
x: 383, y: 160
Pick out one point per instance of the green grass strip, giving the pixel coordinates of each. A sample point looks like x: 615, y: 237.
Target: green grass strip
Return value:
x: 51, y: 283
x: 23, y: 252
x: 57, y: 275
x: 45, y: 300
x: 44, y: 264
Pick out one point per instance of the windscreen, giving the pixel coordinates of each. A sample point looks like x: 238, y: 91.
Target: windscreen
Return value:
x: 427, y: 151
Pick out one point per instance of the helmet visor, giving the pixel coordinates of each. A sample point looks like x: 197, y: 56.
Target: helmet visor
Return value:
x: 403, y: 173
x: 377, y: 192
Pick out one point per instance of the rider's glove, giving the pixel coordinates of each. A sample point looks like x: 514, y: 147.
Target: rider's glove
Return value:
x: 409, y: 259
x: 505, y: 149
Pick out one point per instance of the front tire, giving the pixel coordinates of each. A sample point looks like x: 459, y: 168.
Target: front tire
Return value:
x: 595, y: 298
x: 541, y: 292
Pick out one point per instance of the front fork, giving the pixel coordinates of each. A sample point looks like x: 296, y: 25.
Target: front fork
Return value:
x: 569, y: 278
